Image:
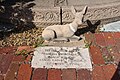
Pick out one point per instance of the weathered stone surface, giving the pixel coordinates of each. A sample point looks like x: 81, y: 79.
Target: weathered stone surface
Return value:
x: 45, y: 10
x: 104, y: 10
x: 46, y: 16
x: 61, y: 57
x: 50, y: 3
x: 94, y: 12
x: 89, y: 2
x: 44, y: 3
x: 60, y: 2
x: 63, y: 43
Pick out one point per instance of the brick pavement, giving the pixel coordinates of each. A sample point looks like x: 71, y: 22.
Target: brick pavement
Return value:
x: 104, y: 52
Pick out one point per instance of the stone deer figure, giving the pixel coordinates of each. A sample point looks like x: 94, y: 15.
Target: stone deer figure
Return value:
x: 65, y: 31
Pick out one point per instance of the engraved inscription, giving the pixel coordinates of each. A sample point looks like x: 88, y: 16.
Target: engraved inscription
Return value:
x: 61, y: 57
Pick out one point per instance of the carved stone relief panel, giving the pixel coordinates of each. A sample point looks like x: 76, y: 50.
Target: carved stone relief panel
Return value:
x: 47, y: 16
x: 103, y: 13
x: 51, y: 16
x: 93, y: 13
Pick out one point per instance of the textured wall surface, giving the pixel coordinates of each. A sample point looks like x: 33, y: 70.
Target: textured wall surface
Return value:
x: 49, y: 13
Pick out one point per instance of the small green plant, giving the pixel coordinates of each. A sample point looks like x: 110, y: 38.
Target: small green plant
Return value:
x: 108, y: 58
x: 87, y: 44
x: 23, y: 53
x: 40, y: 42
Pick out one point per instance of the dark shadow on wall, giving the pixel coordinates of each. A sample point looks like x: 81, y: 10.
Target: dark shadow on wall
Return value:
x: 116, y: 75
x: 90, y: 27
x: 17, y: 17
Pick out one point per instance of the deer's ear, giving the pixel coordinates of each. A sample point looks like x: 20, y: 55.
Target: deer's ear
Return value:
x: 73, y: 10
x: 84, y: 10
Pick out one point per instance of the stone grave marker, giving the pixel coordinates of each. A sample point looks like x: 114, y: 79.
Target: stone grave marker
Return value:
x: 61, y: 58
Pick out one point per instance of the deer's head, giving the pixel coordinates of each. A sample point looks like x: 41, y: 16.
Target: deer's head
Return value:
x: 79, y: 16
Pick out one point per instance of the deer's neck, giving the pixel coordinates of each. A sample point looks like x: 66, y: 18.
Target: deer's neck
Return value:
x: 73, y: 26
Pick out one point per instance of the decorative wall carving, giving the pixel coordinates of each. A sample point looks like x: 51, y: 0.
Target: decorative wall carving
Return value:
x: 67, y: 15
x: 103, y: 13
x: 93, y: 13
x: 52, y: 16
x: 46, y: 16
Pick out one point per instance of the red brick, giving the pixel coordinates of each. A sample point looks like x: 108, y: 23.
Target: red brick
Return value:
x: 109, y: 71
x: 5, y: 63
x: 54, y: 74
x: 12, y: 72
x: 109, y: 39
x: 113, y: 50
x: 24, y: 72
x: 116, y: 35
x: 39, y: 74
x: 117, y: 44
x: 1, y: 77
x: 7, y: 50
x: 1, y: 57
x: 83, y: 75
x: 116, y: 75
x: 89, y: 38
x: 104, y: 51
x: 69, y: 74
x: 108, y: 58
x: 97, y: 73
x: 96, y: 55
x: 28, y: 48
x: 100, y: 40
x: 117, y: 41
x: 116, y: 57
x: 19, y: 58
x: 28, y: 59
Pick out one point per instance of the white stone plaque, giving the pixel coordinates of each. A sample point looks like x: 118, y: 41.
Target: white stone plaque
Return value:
x: 61, y: 57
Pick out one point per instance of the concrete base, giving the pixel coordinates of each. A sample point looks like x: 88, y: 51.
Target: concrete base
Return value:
x: 61, y: 42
